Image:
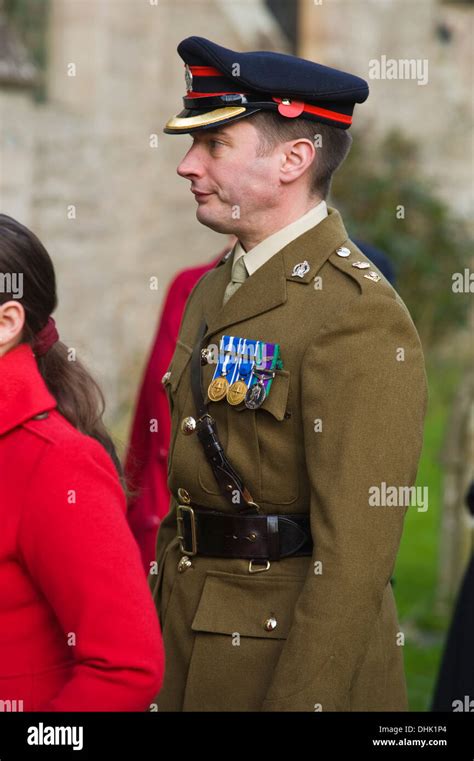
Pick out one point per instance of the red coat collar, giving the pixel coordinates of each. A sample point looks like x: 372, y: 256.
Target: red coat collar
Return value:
x: 23, y: 392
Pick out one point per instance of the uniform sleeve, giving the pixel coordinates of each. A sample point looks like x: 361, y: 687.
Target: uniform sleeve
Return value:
x: 80, y: 553
x: 363, y: 377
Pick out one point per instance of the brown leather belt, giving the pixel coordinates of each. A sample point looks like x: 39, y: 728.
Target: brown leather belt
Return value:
x: 250, y: 537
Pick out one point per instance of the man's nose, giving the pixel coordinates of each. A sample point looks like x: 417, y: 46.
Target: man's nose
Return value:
x: 190, y: 166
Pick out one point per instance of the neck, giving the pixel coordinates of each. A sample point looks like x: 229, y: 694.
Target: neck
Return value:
x: 274, y: 221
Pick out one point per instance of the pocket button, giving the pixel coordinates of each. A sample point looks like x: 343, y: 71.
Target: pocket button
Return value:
x: 270, y: 624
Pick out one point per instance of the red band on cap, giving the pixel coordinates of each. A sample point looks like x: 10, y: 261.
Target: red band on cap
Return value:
x: 205, y: 71
x: 316, y: 110
x: 290, y: 110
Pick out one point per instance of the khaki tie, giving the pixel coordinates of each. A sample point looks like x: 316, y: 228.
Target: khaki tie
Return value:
x: 239, y: 275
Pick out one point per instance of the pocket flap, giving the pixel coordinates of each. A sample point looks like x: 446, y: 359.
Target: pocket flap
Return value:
x: 277, y: 400
x: 236, y: 604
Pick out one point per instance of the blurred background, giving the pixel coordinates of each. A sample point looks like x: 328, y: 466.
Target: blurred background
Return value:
x: 85, y: 88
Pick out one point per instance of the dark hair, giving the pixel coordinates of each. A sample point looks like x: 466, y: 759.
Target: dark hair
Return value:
x: 334, y: 147
x: 78, y: 396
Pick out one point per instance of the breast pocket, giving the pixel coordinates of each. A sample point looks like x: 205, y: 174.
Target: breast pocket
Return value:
x: 240, y: 626
x: 276, y: 443
x: 260, y: 444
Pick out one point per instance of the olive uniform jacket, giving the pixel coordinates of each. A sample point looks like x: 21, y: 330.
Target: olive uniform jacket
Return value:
x: 343, y: 416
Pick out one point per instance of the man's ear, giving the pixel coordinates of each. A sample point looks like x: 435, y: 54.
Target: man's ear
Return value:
x: 12, y: 322
x: 298, y: 155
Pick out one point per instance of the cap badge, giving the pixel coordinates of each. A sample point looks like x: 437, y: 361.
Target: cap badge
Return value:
x: 188, y: 78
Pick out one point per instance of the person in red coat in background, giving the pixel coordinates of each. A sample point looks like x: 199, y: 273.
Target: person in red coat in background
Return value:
x: 146, y: 466
x: 78, y: 628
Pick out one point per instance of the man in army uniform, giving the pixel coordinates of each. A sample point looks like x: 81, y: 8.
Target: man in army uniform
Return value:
x: 274, y: 563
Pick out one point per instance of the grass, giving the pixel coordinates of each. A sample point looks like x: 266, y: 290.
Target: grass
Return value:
x: 416, y: 571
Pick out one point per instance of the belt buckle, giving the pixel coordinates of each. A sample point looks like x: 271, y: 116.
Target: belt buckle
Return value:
x: 180, y: 522
x: 258, y: 568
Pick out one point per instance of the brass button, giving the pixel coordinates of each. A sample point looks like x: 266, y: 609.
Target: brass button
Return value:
x: 166, y: 377
x: 270, y: 624
x: 184, y: 564
x: 188, y: 425
x: 184, y: 496
x: 343, y: 251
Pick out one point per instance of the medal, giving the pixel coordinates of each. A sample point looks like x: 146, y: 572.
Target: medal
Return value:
x: 257, y: 393
x: 217, y: 389
x: 236, y: 393
x: 255, y: 396
x: 238, y: 386
x: 267, y: 360
x: 219, y: 384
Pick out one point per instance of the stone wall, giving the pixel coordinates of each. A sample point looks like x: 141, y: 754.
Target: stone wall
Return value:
x: 106, y: 202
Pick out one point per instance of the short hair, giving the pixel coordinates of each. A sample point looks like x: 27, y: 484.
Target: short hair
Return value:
x: 335, y: 144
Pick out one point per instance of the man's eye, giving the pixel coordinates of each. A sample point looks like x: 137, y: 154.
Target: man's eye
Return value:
x: 215, y: 142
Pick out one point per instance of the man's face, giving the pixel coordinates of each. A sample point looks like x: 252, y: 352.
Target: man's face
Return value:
x: 234, y: 188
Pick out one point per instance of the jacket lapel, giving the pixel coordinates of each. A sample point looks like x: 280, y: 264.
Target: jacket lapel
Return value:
x: 264, y: 290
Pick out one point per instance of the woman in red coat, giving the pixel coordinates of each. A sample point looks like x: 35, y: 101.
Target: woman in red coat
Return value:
x: 78, y: 628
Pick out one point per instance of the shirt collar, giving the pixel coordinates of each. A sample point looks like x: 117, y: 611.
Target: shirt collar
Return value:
x: 269, y: 246
x: 23, y: 392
